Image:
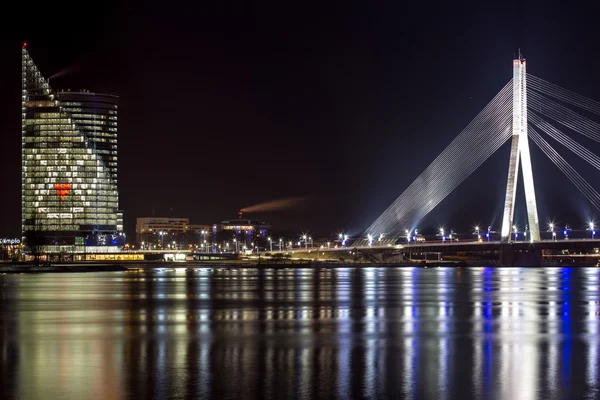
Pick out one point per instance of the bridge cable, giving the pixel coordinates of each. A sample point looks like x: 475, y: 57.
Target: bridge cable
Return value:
x: 475, y: 144
x: 565, y: 140
x: 565, y: 95
x: 584, y: 187
x: 564, y: 116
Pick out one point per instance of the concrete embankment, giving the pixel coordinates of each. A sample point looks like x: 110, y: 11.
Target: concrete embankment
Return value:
x: 249, y: 264
x: 31, y: 269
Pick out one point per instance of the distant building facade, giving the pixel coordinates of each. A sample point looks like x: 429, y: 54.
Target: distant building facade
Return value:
x: 69, y: 194
x: 157, y: 224
x: 241, y: 229
x: 168, y: 233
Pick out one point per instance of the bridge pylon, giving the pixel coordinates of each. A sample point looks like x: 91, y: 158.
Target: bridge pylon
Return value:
x: 519, y: 151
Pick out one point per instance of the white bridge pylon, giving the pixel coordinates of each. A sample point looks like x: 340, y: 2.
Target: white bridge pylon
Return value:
x: 520, y: 151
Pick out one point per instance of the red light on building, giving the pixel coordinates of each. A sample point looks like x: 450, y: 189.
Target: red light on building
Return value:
x: 62, y: 189
x: 24, y: 44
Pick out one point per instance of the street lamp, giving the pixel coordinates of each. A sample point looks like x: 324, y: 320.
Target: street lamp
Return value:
x: 305, y: 242
x: 270, y: 244
x: 162, y: 239
x: 592, y: 228
x: 370, y: 239
x: 236, y: 245
x: 477, y: 232
x: 407, y: 236
x: 442, y: 234
x: 515, y: 232
x: 280, y: 243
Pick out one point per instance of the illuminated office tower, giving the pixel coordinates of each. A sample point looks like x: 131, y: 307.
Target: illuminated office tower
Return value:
x: 69, y: 197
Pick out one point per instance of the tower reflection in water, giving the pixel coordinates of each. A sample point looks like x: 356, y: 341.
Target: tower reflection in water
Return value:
x: 302, y: 333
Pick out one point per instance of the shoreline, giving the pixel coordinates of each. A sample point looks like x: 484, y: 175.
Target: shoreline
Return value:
x: 82, y: 267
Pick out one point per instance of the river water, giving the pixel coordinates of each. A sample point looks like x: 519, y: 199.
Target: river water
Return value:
x: 505, y: 333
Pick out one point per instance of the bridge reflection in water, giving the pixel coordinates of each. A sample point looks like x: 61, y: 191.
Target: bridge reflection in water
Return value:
x: 302, y: 333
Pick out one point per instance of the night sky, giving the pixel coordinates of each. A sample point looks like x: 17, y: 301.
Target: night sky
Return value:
x: 227, y: 105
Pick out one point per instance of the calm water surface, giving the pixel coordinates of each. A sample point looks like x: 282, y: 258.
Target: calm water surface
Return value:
x: 506, y: 333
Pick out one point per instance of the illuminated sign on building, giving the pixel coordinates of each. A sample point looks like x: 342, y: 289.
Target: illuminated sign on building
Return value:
x: 62, y: 189
x: 10, y: 241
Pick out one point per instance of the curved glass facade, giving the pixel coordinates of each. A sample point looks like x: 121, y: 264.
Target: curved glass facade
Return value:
x: 69, y: 166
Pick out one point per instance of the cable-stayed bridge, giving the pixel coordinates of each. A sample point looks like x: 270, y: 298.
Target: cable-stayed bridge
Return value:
x: 527, y: 107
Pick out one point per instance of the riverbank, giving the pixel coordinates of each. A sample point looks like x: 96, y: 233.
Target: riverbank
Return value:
x: 30, y: 269
x: 21, y: 268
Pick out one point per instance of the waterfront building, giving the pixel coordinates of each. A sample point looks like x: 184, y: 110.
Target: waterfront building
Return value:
x: 69, y: 194
x: 164, y: 233
x: 241, y: 228
x: 157, y: 224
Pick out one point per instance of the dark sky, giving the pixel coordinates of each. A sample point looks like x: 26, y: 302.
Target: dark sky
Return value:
x: 227, y: 104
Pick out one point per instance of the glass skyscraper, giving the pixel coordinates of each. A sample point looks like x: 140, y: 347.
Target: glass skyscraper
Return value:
x: 69, y: 196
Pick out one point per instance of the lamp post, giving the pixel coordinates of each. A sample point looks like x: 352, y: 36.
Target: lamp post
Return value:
x: 477, y: 232
x: 515, y: 232
x: 162, y: 239
x: 551, y: 229
x: 270, y: 244
x: 305, y: 242
x: 236, y: 245
x: 442, y: 235
x: 592, y: 228
x: 203, y: 232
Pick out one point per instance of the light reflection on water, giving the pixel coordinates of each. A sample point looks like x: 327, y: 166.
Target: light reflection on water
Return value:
x: 301, y: 333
